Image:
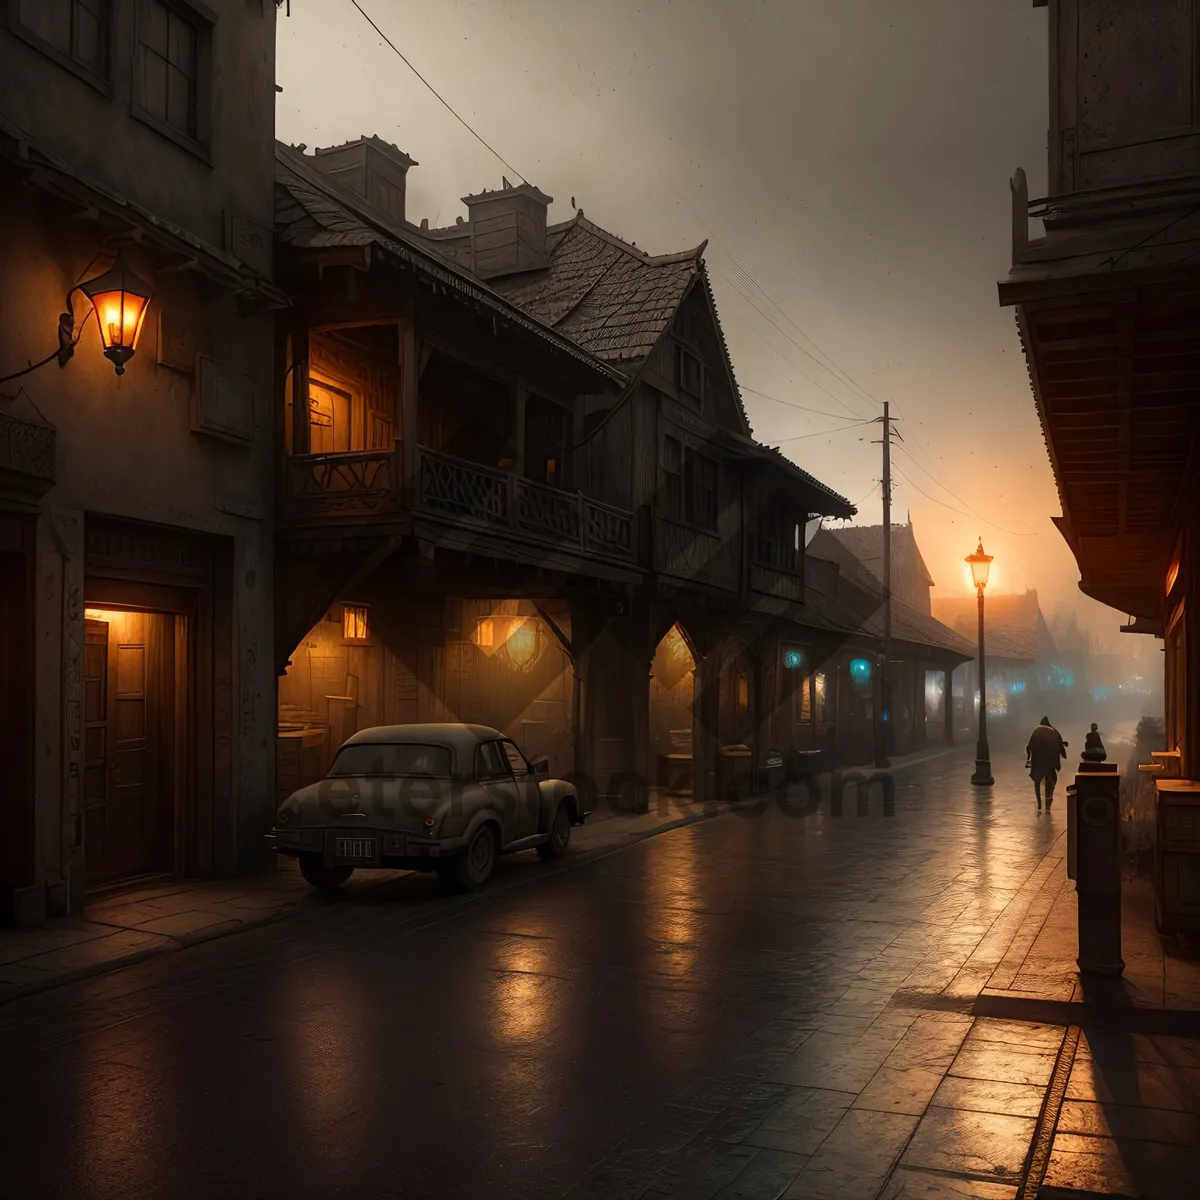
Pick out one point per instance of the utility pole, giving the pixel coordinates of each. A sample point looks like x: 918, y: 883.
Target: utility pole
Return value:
x: 884, y: 741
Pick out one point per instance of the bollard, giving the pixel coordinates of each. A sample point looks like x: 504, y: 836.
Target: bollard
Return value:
x: 1097, y: 838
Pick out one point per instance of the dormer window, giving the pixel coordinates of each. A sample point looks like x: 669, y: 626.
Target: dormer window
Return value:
x: 689, y: 374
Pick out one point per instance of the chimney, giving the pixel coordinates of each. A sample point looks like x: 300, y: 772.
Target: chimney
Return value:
x: 508, y: 230
x: 371, y: 168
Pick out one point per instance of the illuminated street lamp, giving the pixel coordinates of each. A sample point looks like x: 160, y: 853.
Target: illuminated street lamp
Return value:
x: 981, y: 565
x: 121, y: 301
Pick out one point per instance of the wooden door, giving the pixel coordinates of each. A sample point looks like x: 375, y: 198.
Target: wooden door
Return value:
x: 16, y: 692
x: 122, y: 833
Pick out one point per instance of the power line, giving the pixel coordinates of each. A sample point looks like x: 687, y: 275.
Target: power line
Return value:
x: 767, y: 317
x: 434, y: 90
x: 830, y: 365
x: 962, y: 512
x: 954, y: 494
x: 821, y: 433
x: 782, y: 354
x: 792, y: 404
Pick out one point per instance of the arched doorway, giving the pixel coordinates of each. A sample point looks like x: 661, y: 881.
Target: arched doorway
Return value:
x: 672, y: 698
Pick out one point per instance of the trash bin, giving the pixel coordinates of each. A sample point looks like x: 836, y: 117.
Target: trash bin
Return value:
x: 772, y: 775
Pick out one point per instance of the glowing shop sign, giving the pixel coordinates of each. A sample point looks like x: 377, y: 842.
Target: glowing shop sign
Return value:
x: 860, y: 670
x: 793, y: 660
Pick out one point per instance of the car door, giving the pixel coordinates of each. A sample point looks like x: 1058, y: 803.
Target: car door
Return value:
x: 528, y: 796
x: 495, y: 777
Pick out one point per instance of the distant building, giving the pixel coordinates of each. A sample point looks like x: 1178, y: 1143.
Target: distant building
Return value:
x: 925, y: 652
x: 1022, y: 658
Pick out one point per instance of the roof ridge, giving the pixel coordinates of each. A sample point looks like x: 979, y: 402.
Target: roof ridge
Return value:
x: 641, y: 255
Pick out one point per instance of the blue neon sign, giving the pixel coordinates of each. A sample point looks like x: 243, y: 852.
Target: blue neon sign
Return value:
x: 793, y: 660
x: 860, y: 670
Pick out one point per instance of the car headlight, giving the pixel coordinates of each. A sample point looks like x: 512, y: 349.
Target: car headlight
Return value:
x: 287, y: 810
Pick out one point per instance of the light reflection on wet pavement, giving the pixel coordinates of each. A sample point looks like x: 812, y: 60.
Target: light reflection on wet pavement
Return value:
x: 751, y: 1006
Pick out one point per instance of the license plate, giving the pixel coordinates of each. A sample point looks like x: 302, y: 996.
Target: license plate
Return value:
x: 358, y: 848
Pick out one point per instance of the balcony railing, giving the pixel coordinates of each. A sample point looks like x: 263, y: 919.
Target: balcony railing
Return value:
x: 358, y: 483
x: 364, y: 484
x: 484, y: 496
x: 26, y: 456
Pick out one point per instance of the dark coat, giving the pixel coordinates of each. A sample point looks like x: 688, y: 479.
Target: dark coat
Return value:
x: 1045, y: 751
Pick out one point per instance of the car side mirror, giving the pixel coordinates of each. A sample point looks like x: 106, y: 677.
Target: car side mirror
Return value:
x: 540, y: 766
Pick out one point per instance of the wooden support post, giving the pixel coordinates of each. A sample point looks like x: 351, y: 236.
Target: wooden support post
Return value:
x: 520, y: 400
x: 301, y: 442
x: 948, y: 703
x: 406, y: 426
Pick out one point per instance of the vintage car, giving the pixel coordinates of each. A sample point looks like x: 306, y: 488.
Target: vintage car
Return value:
x: 447, y: 798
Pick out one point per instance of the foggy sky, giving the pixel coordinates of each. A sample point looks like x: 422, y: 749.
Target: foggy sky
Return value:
x: 853, y: 159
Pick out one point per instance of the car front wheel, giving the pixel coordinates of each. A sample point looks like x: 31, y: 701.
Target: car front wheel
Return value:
x: 323, y: 878
x: 472, y: 868
x: 555, y: 846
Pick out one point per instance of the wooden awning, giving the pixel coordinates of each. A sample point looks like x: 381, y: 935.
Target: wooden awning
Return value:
x: 1116, y: 379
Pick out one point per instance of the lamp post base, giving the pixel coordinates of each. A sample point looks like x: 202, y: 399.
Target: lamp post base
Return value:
x: 983, y: 773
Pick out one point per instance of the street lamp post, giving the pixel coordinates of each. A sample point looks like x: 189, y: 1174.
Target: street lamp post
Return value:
x: 981, y: 565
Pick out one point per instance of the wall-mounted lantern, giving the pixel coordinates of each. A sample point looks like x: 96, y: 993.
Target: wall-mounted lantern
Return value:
x: 121, y: 301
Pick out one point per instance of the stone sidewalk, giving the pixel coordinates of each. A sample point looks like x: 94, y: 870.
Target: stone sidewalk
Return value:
x: 967, y: 1061
x: 137, y: 923
x: 1075, y: 1087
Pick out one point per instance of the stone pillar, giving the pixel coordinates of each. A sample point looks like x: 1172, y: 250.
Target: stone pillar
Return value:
x: 1097, y: 834
x: 706, y: 708
x: 611, y: 642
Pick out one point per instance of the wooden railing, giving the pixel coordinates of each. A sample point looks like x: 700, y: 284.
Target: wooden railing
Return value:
x: 367, y: 483
x: 357, y: 483
x: 484, y: 496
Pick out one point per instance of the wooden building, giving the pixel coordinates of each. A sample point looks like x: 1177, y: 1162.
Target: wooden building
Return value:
x: 517, y: 485
x: 925, y: 652
x: 136, y: 683
x: 1107, y: 302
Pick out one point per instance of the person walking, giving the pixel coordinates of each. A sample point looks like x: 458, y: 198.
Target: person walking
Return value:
x: 1043, y: 754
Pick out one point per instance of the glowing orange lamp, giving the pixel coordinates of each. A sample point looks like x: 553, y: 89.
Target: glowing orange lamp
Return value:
x: 121, y: 301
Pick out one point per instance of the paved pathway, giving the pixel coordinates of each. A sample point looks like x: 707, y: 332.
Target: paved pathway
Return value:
x: 776, y: 1003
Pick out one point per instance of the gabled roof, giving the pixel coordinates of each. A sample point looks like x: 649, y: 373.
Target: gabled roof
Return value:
x: 315, y: 211
x: 864, y: 544
x: 1014, y: 627
x: 860, y: 604
x: 604, y: 293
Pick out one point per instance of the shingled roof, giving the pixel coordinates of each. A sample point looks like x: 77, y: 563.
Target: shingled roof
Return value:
x: 313, y: 210
x: 1014, y: 627
x: 604, y: 293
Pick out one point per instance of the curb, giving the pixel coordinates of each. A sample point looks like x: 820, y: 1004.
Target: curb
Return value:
x: 583, y: 858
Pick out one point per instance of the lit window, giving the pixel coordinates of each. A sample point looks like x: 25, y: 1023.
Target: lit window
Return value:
x: 485, y: 633
x: 806, y: 699
x: 355, y: 626
x: 743, y: 692
x: 819, y: 695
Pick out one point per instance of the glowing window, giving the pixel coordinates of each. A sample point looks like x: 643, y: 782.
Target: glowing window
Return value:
x: 355, y: 625
x: 485, y: 633
x: 743, y: 692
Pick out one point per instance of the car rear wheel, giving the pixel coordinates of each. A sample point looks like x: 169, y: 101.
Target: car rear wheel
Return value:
x: 323, y: 878
x: 472, y: 868
x: 555, y: 846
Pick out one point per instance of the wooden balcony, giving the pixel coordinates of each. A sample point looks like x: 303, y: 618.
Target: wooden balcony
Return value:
x: 365, y: 491
x: 27, y: 468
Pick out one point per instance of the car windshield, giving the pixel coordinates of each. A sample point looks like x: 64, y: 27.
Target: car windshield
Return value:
x: 391, y: 758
